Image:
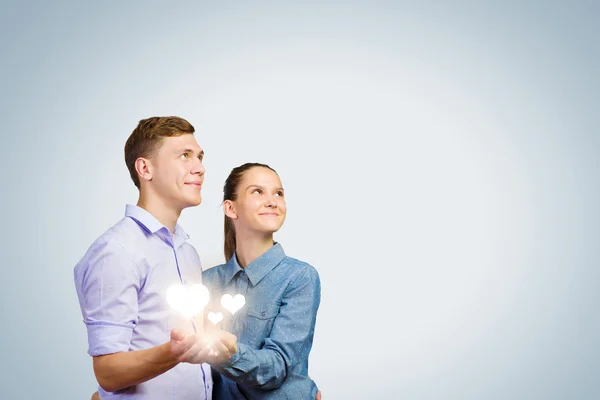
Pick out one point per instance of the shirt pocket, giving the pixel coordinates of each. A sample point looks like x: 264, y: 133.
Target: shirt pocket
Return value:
x: 259, y: 324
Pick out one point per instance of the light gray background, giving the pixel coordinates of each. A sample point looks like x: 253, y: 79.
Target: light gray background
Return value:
x: 440, y: 163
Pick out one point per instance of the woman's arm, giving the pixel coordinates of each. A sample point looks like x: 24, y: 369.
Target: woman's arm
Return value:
x: 290, y: 339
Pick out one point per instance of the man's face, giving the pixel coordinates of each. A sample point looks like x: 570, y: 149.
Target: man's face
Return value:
x: 178, y: 172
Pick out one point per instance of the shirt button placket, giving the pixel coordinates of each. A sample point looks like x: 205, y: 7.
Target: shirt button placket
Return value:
x: 241, y: 285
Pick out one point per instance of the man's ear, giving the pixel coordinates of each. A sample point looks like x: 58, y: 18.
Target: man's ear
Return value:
x: 229, y: 209
x: 143, y: 166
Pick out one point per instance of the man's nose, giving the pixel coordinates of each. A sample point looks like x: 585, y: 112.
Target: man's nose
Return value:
x: 198, y: 167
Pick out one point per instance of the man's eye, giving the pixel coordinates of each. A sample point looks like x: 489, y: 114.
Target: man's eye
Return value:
x: 184, y: 155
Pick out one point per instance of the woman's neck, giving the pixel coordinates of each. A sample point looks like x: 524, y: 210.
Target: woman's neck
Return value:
x: 248, y: 247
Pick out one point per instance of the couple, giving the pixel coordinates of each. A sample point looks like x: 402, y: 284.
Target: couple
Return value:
x: 141, y: 349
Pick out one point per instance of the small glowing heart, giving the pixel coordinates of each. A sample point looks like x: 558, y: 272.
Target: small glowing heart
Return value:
x: 215, y: 317
x: 233, y: 304
x: 187, y: 300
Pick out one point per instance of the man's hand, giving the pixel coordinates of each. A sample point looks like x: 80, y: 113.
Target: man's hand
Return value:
x: 212, y: 347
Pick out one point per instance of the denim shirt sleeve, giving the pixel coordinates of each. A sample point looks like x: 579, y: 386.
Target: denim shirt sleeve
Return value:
x: 290, y: 339
x: 107, y: 283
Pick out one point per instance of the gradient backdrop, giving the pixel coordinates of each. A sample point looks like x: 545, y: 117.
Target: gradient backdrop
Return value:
x: 440, y: 161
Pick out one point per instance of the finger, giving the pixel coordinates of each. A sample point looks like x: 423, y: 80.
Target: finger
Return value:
x: 230, y: 341
x: 197, y: 352
x: 181, y: 345
x: 177, y: 334
x: 202, y: 356
x: 221, y: 350
x: 178, y: 349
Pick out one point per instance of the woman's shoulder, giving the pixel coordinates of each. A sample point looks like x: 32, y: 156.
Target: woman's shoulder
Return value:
x: 212, y: 274
x: 296, y: 262
x: 300, y: 267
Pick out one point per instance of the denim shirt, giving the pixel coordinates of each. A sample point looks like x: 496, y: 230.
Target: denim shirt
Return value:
x: 274, y: 328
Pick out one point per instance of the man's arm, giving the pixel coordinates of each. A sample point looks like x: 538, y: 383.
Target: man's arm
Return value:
x: 108, y: 282
x: 120, y: 370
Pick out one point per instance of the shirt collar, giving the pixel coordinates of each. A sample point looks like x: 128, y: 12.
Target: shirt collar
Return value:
x: 150, y: 223
x: 258, y: 268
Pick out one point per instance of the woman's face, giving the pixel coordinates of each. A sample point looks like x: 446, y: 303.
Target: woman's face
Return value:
x: 260, y: 204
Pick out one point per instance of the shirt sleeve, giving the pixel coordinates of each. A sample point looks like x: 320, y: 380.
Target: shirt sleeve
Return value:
x: 289, y: 342
x: 107, y: 283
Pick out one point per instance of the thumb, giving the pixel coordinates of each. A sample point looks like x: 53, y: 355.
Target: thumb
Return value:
x: 177, y: 334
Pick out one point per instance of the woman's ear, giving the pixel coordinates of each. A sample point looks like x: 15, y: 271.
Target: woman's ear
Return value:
x: 229, y: 210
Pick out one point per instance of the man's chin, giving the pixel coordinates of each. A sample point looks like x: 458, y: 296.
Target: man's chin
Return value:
x: 194, y: 202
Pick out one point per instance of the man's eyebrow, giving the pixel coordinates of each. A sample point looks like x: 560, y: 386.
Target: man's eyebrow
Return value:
x: 201, y: 154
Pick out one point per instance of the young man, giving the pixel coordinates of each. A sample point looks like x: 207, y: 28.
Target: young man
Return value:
x: 122, y: 279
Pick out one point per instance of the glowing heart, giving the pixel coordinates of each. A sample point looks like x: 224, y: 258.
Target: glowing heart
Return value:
x: 215, y: 318
x: 187, y: 300
x: 233, y: 304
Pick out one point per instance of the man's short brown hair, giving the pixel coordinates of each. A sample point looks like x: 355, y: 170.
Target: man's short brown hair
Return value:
x: 148, y: 135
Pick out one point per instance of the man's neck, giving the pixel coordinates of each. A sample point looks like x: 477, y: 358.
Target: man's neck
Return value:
x: 156, y: 206
x: 249, y: 247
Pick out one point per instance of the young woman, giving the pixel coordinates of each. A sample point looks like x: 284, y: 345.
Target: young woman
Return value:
x: 275, y: 327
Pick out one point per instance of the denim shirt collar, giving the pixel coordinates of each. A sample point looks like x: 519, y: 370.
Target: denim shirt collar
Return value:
x: 258, y: 268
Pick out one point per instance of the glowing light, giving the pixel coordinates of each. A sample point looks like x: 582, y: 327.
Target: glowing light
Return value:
x: 215, y: 318
x: 233, y: 304
x: 188, y: 301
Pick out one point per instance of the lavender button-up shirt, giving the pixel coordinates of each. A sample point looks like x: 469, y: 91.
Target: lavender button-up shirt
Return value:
x: 121, y: 283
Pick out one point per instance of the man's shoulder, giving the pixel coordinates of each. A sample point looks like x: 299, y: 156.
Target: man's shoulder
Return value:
x: 127, y: 232
x: 123, y: 236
